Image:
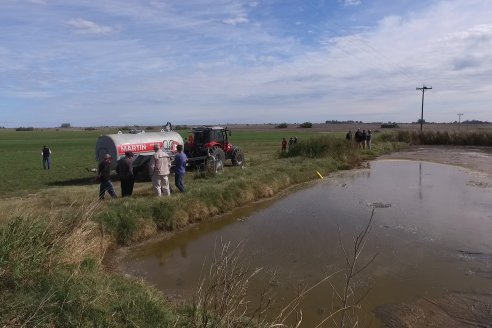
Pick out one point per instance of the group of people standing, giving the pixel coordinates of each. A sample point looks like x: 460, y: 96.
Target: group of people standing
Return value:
x: 362, y: 138
x: 159, y: 166
x: 292, y: 141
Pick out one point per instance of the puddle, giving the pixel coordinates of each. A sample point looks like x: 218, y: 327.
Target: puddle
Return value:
x: 432, y: 233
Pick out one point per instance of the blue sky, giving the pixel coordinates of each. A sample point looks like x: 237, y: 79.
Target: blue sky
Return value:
x: 118, y: 62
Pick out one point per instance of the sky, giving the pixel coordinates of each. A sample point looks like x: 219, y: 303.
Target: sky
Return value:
x: 147, y: 62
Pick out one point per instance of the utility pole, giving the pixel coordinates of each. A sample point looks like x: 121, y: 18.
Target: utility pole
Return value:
x: 459, y: 120
x: 422, y: 114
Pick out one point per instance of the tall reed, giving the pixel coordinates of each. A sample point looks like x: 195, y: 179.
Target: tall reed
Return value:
x: 456, y: 138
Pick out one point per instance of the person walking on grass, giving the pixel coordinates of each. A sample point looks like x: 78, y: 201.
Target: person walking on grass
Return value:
x: 46, y: 153
x: 160, y: 165
x: 180, y: 168
x: 104, y: 175
x: 125, y: 173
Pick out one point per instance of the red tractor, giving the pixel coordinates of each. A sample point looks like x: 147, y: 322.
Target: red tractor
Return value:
x: 212, y: 141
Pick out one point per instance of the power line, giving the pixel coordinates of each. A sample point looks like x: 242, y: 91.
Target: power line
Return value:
x: 422, y: 114
x: 459, y: 119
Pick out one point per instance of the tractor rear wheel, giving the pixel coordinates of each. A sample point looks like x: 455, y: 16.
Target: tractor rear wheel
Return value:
x: 237, y: 157
x: 215, y: 161
x: 218, y: 153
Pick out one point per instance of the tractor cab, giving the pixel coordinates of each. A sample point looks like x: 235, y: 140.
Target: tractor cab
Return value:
x: 206, y: 138
x: 209, y: 137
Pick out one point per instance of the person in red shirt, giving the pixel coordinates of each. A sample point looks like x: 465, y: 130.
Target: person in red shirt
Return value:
x: 284, y: 145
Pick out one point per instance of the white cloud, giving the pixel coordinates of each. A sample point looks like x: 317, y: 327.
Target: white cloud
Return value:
x: 352, y: 2
x: 84, y: 26
x: 240, y: 19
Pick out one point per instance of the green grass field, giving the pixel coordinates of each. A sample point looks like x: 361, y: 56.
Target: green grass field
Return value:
x: 21, y: 165
x: 74, y: 151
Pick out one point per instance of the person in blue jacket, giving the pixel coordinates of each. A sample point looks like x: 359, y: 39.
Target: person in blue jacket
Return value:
x: 180, y: 168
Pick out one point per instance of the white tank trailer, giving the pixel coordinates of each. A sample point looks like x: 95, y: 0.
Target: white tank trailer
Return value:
x: 140, y: 144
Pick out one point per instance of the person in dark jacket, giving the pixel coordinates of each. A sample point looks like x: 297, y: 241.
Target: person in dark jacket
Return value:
x: 46, y: 153
x: 104, y: 175
x: 364, y: 139
x: 358, y: 138
x: 125, y: 173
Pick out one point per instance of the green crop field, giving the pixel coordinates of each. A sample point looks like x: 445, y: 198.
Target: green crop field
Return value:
x: 21, y: 165
x: 73, y: 152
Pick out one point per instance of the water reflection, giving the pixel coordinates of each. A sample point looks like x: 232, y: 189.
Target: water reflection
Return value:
x: 420, y: 180
x: 428, y: 242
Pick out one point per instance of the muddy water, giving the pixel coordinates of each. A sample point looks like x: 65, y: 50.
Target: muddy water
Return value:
x: 432, y: 233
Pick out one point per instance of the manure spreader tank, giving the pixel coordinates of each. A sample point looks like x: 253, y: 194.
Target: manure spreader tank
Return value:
x: 140, y: 144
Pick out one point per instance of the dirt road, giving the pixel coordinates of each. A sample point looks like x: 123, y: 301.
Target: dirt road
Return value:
x: 473, y: 158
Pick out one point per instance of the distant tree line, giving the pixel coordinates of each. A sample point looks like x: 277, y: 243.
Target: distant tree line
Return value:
x: 343, y: 122
x: 306, y: 125
x: 389, y: 125
x: 475, y: 122
x: 27, y: 128
x: 455, y: 122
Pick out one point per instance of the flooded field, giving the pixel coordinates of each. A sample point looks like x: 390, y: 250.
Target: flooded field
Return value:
x: 432, y: 233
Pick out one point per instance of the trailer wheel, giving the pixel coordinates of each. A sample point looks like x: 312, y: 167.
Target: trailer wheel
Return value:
x: 237, y: 157
x: 141, y: 168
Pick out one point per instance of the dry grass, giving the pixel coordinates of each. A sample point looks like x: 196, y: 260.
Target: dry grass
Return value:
x: 85, y: 239
x: 50, y: 276
x: 221, y: 299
